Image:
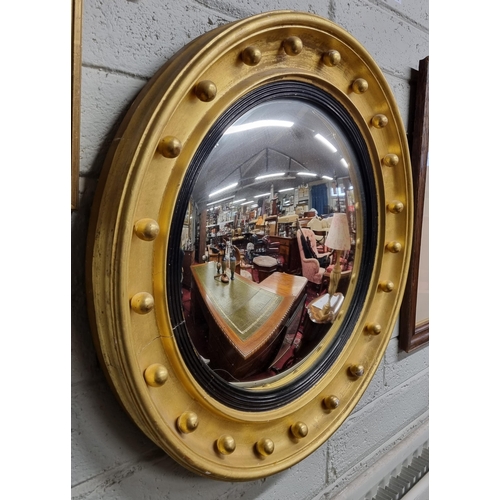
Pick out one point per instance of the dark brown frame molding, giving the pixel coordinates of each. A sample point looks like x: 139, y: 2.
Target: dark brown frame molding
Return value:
x: 412, y: 335
x: 76, y: 73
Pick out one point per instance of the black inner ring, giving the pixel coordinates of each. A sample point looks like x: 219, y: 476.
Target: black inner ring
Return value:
x: 263, y: 400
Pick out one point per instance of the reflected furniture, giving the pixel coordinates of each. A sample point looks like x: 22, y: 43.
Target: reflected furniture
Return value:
x: 247, y: 321
x: 265, y: 246
x: 265, y: 265
x: 313, y: 329
x: 320, y: 231
x: 311, y: 268
x: 289, y: 253
x: 343, y: 284
x: 187, y: 262
x: 270, y: 247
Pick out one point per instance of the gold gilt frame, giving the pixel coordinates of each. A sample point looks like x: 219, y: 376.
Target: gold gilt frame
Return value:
x: 132, y: 220
x: 76, y: 76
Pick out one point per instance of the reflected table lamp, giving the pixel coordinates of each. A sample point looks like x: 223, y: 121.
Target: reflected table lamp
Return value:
x: 339, y: 240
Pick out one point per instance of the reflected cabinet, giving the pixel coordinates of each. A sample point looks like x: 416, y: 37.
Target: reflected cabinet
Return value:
x: 249, y: 244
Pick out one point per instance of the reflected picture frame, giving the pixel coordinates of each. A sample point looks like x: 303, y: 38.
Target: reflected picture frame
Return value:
x: 414, y: 333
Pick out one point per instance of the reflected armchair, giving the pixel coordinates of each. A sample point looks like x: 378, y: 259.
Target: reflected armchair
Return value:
x: 310, y: 258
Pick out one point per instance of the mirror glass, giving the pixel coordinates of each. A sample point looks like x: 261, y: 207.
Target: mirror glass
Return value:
x: 260, y: 210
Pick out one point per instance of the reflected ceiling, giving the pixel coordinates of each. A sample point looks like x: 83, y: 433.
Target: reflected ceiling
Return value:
x: 285, y: 136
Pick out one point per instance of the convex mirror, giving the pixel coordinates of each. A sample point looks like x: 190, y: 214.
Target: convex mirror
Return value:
x: 288, y: 139
x: 228, y: 169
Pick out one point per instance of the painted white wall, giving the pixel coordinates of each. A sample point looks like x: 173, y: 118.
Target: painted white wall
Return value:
x: 124, y: 43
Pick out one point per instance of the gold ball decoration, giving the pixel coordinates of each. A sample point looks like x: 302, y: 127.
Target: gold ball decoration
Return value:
x: 293, y: 45
x: 251, y: 56
x: 357, y: 370
x: 331, y: 58
x: 142, y: 303
x: 265, y: 447
x: 394, y: 247
x: 299, y: 430
x: 187, y: 422
x: 169, y: 147
x: 226, y: 444
x: 390, y: 160
x: 380, y: 121
x: 360, y: 85
x: 395, y: 207
x: 387, y: 286
x: 205, y: 90
x: 331, y: 402
x: 374, y: 328
x: 155, y: 375
x: 146, y: 229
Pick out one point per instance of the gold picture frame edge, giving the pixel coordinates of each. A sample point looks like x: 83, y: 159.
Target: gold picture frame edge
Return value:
x: 76, y: 77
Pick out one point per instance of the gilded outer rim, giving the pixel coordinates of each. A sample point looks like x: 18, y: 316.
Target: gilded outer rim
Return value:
x: 139, y: 182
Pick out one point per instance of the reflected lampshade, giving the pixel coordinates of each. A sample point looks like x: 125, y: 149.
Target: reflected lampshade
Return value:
x: 338, y: 235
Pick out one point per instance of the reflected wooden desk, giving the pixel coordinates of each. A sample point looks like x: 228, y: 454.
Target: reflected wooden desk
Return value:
x: 247, y: 321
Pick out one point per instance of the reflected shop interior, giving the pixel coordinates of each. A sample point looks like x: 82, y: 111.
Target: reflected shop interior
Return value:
x: 268, y: 240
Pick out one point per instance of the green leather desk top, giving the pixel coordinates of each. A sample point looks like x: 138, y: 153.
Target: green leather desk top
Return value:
x: 243, y: 305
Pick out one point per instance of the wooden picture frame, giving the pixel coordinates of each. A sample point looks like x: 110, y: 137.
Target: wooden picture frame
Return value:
x: 414, y: 333
x: 76, y: 73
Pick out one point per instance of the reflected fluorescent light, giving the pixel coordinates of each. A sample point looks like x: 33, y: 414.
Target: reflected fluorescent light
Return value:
x: 223, y: 189
x: 327, y: 177
x: 247, y: 202
x: 326, y: 142
x: 239, y: 201
x: 258, y: 178
x: 221, y: 200
x: 255, y: 205
x: 263, y: 194
x: 343, y: 162
x: 307, y: 174
x: 286, y: 189
x: 257, y: 124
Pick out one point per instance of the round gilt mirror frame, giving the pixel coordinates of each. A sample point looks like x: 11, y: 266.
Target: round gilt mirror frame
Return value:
x: 131, y: 225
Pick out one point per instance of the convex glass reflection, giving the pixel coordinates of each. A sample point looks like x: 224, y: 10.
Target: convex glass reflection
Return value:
x: 255, y: 240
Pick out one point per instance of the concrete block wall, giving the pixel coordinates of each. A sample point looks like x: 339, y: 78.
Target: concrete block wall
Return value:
x: 124, y: 43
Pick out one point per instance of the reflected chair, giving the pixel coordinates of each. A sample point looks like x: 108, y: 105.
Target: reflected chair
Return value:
x: 237, y: 256
x: 311, y: 268
x: 258, y: 244
x: 319, y: 229
x: 271, y: 248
